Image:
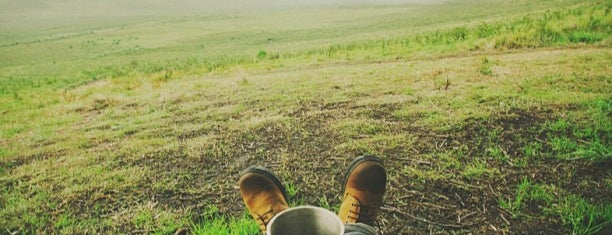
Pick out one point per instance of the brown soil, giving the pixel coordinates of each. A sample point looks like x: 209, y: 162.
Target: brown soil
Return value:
x: 302, y: 153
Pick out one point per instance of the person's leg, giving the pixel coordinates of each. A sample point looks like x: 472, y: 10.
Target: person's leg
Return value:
x: 263, y: 193
x: 359, y: 229
x: 364, y: 188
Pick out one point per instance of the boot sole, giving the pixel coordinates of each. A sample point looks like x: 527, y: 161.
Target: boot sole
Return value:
x: 268, y: 174
x: 357, y: 162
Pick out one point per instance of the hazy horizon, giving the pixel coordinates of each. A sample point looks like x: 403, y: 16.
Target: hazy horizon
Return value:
x: 23, y: 11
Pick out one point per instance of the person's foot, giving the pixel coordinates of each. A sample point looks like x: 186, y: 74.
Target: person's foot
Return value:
x: 364, y: 187
x: 263, y: 194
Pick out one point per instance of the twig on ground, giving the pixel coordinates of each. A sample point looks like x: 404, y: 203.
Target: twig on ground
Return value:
x: 460, y: 199
x: 542, y: 141
x: 493, y: 191
x: 504, y: 219
x: 441, y: 196
x: 405, y: 197
x: 414, y: 192
x: 465, y: 185
x: 439, y: 147
x: 434, y: 205
x: 417, y: 161
x: 484, y: 207
x: 583, y: 141
x: 465, y: 216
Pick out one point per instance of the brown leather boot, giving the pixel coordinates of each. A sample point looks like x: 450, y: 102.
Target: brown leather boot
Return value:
x: 364, y: 188
x: 263, y: 194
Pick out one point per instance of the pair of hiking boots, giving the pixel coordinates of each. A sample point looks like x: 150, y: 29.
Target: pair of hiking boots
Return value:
x: 364, y: 187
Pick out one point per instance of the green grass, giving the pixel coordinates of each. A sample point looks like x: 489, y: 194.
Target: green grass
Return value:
x: 225, y: 226
x: 486, y: 67
x: 514, y: 204
x: 574, y: 211
x: 575, y: 139
x: 215, y: 223
x: 139, y: 124
x: 533, y: 150
x: 583, y: 217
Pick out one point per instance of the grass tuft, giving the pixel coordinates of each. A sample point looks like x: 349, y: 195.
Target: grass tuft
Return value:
x: 222, y: 225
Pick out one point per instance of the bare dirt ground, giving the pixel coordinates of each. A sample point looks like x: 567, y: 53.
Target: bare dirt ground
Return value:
x: 454, y: 204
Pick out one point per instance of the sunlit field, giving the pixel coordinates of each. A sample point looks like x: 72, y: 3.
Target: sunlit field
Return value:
x: 492, y: 117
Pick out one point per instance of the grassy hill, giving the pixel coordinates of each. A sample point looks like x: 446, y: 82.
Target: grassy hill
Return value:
x: 491, y: 116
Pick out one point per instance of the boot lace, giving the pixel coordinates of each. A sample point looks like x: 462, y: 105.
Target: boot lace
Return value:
x: 264, y: 219
x: 362, y: 213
